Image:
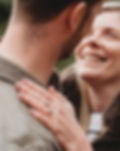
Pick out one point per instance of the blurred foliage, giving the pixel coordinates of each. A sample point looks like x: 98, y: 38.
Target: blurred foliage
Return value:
x: 5, y: 6
x: 62, y: 64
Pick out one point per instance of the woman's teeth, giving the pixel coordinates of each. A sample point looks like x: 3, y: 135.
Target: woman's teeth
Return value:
x: 91, y: 58
x: 94, y: 58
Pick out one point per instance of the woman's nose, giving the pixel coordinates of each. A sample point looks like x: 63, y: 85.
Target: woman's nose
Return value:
x: 93, y: 41
x: 93, y: 44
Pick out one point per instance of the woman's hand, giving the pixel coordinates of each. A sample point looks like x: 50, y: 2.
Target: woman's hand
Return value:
x: 54, y: 110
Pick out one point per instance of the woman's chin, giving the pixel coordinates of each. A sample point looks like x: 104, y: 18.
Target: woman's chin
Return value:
x: 89, y: 74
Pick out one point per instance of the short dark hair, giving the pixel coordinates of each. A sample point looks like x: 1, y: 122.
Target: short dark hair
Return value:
x: 44, y: 10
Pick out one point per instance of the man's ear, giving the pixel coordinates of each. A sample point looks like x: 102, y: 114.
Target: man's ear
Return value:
x: 77, y: 15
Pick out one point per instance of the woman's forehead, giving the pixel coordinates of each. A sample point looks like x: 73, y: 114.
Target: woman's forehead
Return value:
x: 107, y: 19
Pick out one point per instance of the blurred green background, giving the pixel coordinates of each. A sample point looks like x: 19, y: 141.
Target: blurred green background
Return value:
x: 5, y: 6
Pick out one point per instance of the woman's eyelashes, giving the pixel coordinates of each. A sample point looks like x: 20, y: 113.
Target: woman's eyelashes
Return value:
x: 111, y: 34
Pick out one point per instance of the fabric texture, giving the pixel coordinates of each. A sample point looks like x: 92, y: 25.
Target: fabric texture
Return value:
x: 18, y: 130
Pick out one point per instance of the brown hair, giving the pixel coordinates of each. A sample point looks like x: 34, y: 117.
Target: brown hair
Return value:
x: 44, y: 10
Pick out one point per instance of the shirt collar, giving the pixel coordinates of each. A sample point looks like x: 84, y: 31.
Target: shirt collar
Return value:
x: 12, y: 72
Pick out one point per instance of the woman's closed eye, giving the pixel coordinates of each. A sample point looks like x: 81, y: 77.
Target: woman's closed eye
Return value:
x: 112, y: 34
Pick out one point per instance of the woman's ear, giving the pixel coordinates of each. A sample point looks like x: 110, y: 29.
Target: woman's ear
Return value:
x: 77, y: 15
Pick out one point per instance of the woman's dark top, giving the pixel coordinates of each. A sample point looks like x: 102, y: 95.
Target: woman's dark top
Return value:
x: 110, y: 141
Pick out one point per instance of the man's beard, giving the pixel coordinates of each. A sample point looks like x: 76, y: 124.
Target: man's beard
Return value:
x: 69, y: 46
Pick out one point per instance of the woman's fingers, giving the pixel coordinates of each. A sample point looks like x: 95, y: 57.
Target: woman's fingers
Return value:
x: 56, y: 94
x: 58, y: 131
x: 60, y: 98
x: 47, y: 121
x: 35, y: 100
x: 50, y: 121
x: 35, y: 97
x: 42, y: 118
x: 32, y: 97
x: 29, y: 85
x: 51, y: 94
x: 38, y: 105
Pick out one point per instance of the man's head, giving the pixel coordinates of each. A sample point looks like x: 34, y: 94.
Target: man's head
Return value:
x: 68, y: 18
x: 45, y: 10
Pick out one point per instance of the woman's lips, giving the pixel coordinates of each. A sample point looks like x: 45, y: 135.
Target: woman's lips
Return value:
x: 92, y: 55
x: 94, y: 58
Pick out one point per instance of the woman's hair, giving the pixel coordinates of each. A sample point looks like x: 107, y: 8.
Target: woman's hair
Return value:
x: 112, y: 116
x: 70, y: 88
x: 74, y: 89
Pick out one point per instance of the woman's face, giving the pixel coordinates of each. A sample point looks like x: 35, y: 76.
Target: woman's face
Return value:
x: 98, y: 55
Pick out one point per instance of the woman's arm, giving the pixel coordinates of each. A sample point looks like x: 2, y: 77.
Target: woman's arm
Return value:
x: 53, y: 109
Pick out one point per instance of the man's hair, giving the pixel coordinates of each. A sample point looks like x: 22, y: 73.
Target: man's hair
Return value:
x: 44, y: 10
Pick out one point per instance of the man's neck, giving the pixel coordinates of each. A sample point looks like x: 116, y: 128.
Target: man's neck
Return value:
x: 101, y: 96
x: 36, y: 55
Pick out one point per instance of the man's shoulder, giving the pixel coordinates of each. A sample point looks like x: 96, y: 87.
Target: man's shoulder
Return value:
x: 20, y: 127
x: 7, y: 92
x: 6, y: 84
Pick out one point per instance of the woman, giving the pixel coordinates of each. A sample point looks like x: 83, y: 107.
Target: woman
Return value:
x: 97, y: 63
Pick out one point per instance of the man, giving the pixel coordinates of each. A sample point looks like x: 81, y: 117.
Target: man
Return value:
x: 39, y: 33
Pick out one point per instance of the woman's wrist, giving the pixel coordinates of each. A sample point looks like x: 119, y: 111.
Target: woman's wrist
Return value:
x: 82, y: 145
x: 79, y: 142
